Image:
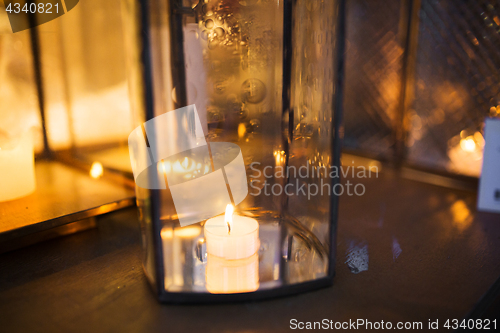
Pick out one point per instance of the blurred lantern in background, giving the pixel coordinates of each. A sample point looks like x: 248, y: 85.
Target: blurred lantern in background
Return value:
x: 421, y: 76
x: 63, y: 100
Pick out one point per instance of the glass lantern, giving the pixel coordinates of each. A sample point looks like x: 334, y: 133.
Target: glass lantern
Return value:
x: 64, y: 122
x: 238, y: 110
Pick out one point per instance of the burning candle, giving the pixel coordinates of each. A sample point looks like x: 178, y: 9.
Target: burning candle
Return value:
x: 17, y: 170
x: 232, y: 236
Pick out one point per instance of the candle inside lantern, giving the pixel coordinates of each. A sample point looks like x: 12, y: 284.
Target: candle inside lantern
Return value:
x: 232, y: 236
x: 17, y: 170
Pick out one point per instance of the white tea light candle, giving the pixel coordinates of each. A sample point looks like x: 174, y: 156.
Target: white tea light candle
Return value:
x: 232, y: 236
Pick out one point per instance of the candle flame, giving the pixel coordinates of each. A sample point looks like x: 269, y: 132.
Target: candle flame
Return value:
x: 229, y: 217
x: 184, y: 166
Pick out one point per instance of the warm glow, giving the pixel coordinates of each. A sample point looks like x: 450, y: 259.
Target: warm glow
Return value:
x: 461, y: 214
x: 96, y: 170
x: 468, y: 144
x: 466, y: 156
x: 279, y: 156
x: 166, y: 167
x: 241, y: 130
x: 478, y: 137
x: 186, y: 165
x: 17, y: 170
x: 185, y: 232
x: 167, y: 234
x: 229, y: 217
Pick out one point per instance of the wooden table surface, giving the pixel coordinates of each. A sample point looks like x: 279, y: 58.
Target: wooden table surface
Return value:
x: 430, y: 256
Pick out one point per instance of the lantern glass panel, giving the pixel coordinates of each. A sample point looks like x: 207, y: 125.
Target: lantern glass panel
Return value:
x: 252, y: 82
x: 85, y: 86
x: 19, y: 117
x: 64, y: 122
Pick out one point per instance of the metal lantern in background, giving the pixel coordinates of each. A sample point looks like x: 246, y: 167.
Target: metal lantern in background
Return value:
x: 64, y: 123
x: 237, y: 107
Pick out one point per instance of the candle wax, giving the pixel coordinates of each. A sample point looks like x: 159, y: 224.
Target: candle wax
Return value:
x: 241, y: 242
x: 232, y: 276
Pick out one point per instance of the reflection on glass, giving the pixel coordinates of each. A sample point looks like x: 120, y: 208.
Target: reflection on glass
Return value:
x: 462, y: 217
x: 232, y: 276
x: 177, y: 253
x: 84, y: 71
x: 466, y: 153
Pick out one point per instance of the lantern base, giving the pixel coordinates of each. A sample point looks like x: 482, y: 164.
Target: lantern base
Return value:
x: 281, y: 291
x: 290, y: 259
x: 63, y: 195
